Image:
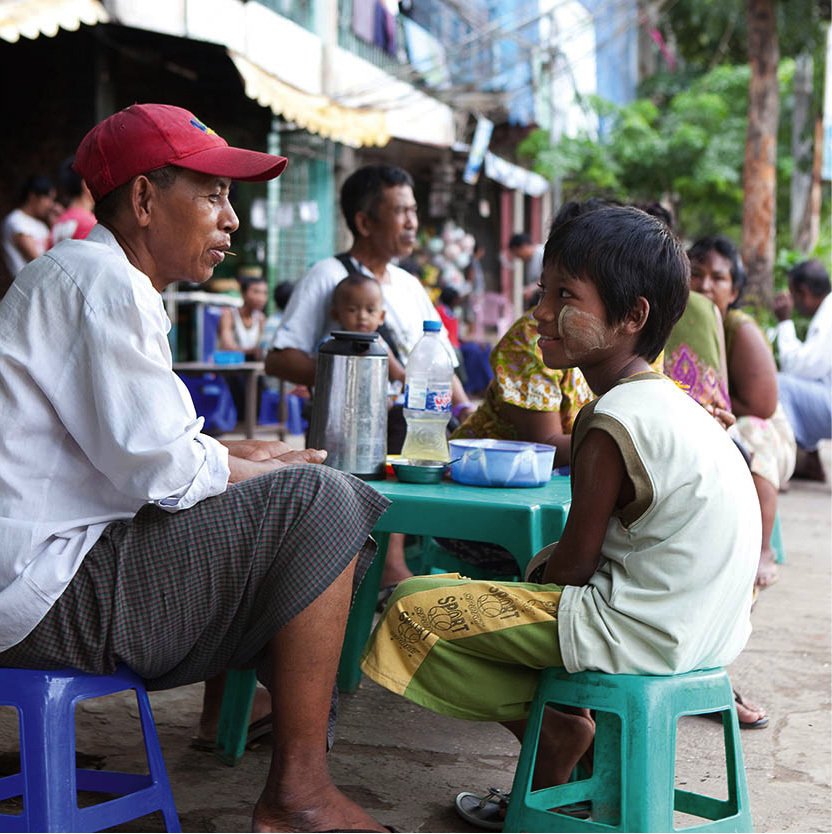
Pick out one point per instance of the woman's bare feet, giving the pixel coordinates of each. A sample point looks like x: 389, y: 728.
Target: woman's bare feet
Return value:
x: 320, y: 808
x: 395, y: 566
x: 767, y: 568
x: 748, y: 714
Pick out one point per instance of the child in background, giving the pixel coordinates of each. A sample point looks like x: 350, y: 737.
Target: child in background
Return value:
x: 654, y: 571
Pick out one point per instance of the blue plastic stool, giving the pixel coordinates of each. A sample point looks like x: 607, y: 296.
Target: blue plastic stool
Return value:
x: 634, y: 761
x: 48, y: 780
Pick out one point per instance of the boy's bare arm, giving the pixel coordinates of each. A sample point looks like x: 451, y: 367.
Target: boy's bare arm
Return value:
x: 599, y: 483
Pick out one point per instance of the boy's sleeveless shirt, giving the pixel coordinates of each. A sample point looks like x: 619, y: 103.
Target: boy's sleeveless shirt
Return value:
x: 674, y: 587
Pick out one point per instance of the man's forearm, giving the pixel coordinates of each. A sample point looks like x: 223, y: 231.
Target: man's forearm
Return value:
x: 291, y: 364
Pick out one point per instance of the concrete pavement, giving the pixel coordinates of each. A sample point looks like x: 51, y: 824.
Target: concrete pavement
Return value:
x: 406, y: 764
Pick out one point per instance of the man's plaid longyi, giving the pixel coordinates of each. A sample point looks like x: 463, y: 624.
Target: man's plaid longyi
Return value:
x: 180, y: 597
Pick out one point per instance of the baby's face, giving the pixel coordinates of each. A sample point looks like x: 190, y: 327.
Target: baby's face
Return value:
x: 360, y: 309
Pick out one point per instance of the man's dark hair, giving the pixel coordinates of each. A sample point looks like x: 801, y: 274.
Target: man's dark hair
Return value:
x: 518, y: 239
x: 812, y: 275
x: 38, y: 184
x: 108, y: 206
x: 69, y: 180
x: 722, y: 246
x: 626, y: 253
x: 282, y: 294
x: 353, y: 279
x: 364, y: 189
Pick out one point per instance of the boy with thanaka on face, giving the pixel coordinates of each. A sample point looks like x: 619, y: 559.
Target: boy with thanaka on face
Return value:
x: 653, y: 573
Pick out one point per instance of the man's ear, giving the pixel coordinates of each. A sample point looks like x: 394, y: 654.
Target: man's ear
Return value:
x: 142, y: 193
x: 636, y: 318
x: 363, y: 223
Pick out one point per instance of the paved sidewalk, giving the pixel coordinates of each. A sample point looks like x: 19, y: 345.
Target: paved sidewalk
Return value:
x: 406, y: 764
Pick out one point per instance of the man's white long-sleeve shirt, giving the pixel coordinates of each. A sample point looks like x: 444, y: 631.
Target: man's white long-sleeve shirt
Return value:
x: 95, y: 424
x: 811, y: 359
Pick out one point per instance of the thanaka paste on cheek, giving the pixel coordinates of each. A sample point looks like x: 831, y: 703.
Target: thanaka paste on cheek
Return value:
x: 581, y: 332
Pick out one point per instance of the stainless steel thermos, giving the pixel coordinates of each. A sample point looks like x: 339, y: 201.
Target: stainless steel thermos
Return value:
x: 349, y: 407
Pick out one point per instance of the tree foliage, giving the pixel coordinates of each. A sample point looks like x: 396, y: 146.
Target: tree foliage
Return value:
x: 685, y: 145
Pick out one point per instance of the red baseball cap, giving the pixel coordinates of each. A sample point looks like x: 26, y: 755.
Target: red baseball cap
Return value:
x: 145, y: 137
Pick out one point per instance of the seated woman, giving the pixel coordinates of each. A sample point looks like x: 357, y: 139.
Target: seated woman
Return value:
x: 762, y: 427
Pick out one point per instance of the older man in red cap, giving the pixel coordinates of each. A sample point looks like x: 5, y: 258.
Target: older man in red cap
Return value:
x: 128, y: 535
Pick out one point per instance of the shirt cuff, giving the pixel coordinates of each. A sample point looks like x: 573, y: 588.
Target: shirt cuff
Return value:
x: 211, y: 478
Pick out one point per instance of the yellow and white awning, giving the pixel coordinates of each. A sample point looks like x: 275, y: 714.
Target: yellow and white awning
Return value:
x: 356, y: 127
x: 32, y: 18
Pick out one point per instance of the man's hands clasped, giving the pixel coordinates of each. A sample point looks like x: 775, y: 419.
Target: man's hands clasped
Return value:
x: 250, y: 458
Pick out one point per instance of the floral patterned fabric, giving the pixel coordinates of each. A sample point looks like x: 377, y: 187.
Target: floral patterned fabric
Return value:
x: 521, y: 379
x: 695, y: 353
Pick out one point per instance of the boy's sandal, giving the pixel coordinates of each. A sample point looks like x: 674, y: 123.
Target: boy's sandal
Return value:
x: 487, y: 811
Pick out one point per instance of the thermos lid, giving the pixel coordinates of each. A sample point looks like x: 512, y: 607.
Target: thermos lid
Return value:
x: 431, y: 326
x: 349, y: 343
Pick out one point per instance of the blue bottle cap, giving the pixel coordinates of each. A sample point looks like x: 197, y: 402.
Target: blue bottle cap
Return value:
x: 431, y: 326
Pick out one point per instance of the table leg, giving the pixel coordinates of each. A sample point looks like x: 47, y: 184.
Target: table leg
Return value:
x: 251, y: 403
x: 360, y: 621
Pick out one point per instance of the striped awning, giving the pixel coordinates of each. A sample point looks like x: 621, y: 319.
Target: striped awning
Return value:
x: 32, y: 18
x: 356, y: 127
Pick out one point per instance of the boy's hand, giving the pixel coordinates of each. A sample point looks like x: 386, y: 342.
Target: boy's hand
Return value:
x: 726, y: 419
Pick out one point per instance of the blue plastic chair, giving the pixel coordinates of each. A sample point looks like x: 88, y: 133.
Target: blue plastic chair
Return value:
x: 212, y: 401
x: 48, y: 780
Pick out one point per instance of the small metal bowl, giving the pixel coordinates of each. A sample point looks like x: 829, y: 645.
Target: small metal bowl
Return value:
x: 419, y: 471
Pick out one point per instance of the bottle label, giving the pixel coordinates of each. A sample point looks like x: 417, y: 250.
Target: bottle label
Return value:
x: 419, y: 397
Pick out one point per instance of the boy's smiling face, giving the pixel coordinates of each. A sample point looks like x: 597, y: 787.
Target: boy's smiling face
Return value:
x: 571, y: 320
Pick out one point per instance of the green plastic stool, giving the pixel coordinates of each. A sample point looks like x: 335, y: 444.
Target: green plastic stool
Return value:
x: 237, y: 699
x: 634, y: 761
x: 777, y: 541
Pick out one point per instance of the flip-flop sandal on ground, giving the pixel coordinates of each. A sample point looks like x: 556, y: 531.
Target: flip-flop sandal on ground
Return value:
x: 487, y: 811
x: 256, y: 730
x: 384, y: 595
x: 744, y: 725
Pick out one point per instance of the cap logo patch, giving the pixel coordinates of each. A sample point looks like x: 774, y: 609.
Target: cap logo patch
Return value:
x: 204, y: 128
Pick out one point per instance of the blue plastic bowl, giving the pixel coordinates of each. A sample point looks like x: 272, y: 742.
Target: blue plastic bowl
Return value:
x: 501, y: 463
x: 228, y: 357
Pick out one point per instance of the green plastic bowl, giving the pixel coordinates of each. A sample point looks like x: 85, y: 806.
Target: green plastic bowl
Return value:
x: 420, y: 472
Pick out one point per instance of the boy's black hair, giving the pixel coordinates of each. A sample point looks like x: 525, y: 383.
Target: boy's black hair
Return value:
x: 656, y: 209
x: 626, y: 253
x: 812, y: 275
x: 282, y: 293
x: 38, y: 184
x: 519, y: 239
x: 723, y: 246
x: 364, y: 188
x: 353, y: 279
x: 250, y: 281
x: 449, y: 296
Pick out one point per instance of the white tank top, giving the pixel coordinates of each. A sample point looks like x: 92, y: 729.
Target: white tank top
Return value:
x: 247, y: 337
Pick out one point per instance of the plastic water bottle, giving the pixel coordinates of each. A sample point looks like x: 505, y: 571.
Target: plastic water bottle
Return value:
x: 427, y: 397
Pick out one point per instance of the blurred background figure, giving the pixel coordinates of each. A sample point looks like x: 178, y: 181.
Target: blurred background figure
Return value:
x: 241, y: 328
x: 77, y: 219
x: 282, y: 293
x: 521, y: 247
x: 806, y: 367
x: 25, y: 231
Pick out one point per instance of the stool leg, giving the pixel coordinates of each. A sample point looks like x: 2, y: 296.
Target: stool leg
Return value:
x: 47, y: 761
x: 237, y: 699
x: 156, y: 763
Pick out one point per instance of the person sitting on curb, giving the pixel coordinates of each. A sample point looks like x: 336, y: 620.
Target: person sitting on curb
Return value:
x: 805, y: 378
x: 132, y: 537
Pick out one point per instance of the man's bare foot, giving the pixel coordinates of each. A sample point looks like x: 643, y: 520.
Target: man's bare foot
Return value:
x: 395, y: 566
x: 313, y: 809
x: 564, y: 740
x: 767, y: 568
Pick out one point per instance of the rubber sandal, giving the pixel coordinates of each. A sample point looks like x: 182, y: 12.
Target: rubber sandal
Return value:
x: 487, y: 811
x: 750, y: 725
x: 204, y: 745
x: 259, y: 728
x: 384, y: 596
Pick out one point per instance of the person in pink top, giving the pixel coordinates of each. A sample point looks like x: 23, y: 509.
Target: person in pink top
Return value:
x: 78, y: 219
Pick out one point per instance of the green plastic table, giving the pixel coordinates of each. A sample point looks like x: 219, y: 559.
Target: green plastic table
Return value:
x: 521, y: 520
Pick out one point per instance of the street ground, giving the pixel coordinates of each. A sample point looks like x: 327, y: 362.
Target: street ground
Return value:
x: 406, y: 764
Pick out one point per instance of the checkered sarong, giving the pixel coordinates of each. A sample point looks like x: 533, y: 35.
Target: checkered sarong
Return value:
x: 180, y: 597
